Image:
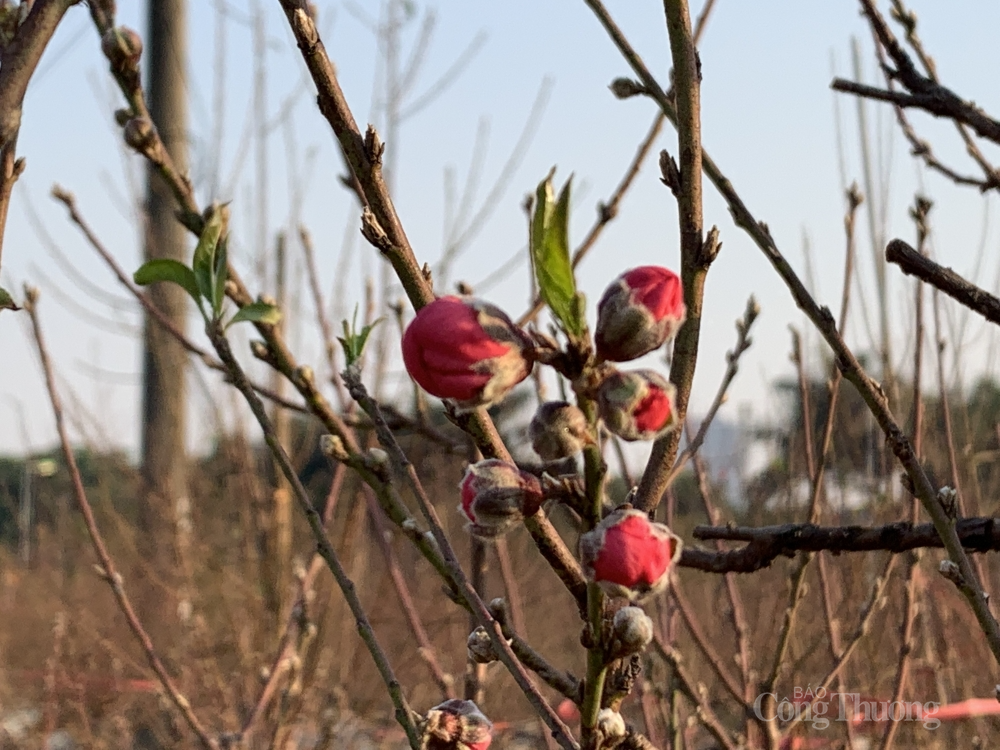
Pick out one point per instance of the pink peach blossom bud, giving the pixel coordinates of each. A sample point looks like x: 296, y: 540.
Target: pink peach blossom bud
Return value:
x: 641, y: 310
x: 637, y: 405
x: 457, y: 725
x: 466, y: 350
x: 496, y: 495
x: 558, y: 430
x: 628, y: 554
x: 631, y: 632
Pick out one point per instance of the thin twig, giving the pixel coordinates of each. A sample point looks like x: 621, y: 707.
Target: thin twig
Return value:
x: 919, y: 213
x: 690, y: 687
x: 847, y: 362
x: 397, y: 457
x: 404, y: 714
x: 108, y: 570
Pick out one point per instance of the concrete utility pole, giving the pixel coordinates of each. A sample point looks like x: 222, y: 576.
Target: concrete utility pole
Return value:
x: 164, y: 468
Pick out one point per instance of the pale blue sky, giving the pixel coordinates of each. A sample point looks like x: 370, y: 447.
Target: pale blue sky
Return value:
x: 768, y: 119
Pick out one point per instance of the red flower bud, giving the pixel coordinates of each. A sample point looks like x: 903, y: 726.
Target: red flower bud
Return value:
x: 466, y: 350
x: 628, y: 554
x: 641, y: 310
x: 496, y: 495
x: 637, y: 405
x: 558, y: 430
x: 457, y: 725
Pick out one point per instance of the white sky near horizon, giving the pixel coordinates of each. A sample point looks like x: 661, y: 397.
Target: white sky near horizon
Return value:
x: 768, y: 119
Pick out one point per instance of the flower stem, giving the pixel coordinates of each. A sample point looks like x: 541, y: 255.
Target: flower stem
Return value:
x: 594, y: 469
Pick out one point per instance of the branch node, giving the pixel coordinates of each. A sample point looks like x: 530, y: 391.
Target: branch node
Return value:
x: 670, y: 174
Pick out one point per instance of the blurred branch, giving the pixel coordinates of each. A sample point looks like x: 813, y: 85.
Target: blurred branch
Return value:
x: 916, y: 264
x: 922, y: 92
x: 404, y: 714
x: 107, y: 566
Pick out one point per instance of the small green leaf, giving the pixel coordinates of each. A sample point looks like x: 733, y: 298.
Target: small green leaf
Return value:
x: 221, y: 274
x: 216, y: 219
x: 165, y: 269
x: 550, y: 257
x: 6, y: 301
x: 256, y: 312
x: 354, y: 342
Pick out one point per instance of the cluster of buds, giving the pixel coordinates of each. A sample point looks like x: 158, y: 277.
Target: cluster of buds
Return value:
x: 496, y: 495
x: 629, y: 555
x: 559, y: 430
x: 466, y: 350
x: 457, y: 725
x: 637, y: 405
x: 640, y: 311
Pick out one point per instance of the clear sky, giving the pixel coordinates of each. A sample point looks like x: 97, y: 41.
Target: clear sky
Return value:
x: 769, y: 122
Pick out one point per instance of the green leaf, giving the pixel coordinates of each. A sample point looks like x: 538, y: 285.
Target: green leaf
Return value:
x: 257, y: 312
x: 6, y: 301
x: 165, y: 269
x: 550, y: 257
x: 221, y: 274
x: 354, y: 342
x: 216, y: 218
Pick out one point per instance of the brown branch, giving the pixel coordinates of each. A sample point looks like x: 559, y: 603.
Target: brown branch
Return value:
x: 847, y: 362
x: 980, y: 534
x: 915, y: 264
x: 691, y: 689
x: 382, y: 227
x: 696, y: 253
x: 108, y: 570
x: 404, y: 714
x: 399, y: 460
x: 923, y: 92
x: 919, y: 213
x: 703, y: 643
x: 18, y: 60
x: 296, y: 620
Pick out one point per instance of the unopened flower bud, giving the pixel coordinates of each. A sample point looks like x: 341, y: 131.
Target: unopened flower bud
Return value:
x: 611, y: 728
x: 123, y: 48
x: 625, y: 88
x: 457, y: 725
x: 466, y: 350
x: 637, y: 405
x: 628, y: 554
x: 642, y: 309
x: 496, y: 495
x: 480, y: 646
x: 631, y: 632
x: 558, y: 430
x: 140, y: 134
